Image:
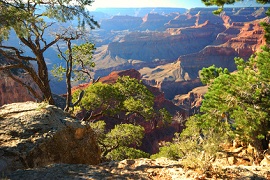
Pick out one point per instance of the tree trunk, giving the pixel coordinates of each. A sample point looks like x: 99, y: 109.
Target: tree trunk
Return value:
x: 68, y: 76
x: 44, y: 78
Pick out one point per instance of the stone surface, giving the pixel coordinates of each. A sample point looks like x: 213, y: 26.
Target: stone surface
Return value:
x: 34, y: 135
x: 159, y: 169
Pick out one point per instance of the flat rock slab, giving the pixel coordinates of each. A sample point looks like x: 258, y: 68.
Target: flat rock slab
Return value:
x: 159, y: 169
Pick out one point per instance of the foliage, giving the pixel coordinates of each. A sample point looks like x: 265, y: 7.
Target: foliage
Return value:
x: 115, y: 145
x: 165, y: 116
x: 236, y: 105
x: 210, y: 73
x: 78, y: 65
x: 137, y: 98
x: 102, y: 96
x: 126, y: 153
x: 81, y: 62
x: 127, y: 96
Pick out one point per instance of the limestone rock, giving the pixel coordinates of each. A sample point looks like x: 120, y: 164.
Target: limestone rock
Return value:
x: 161, y: 168
x: 34, y: 135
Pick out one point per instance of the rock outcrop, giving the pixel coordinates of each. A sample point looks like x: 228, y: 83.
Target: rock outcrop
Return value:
x: 34, y: 135
x: 170, y: 79
x: 191, y: 101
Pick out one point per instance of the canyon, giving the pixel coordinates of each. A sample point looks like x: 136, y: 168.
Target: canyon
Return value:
x: 165, y: 49
x: 170, y: 55
x: 167, y: 46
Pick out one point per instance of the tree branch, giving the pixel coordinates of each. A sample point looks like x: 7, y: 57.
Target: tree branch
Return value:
x: 17, y: 53
x: 10, y: 66
x: 51, y: 43
x: 61, y: 53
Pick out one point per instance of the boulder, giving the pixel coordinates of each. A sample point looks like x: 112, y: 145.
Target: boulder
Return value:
x: 37, y: 134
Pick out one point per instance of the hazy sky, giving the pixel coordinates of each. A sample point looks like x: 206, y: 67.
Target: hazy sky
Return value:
x: 154, y: 3
x: 148, y: 3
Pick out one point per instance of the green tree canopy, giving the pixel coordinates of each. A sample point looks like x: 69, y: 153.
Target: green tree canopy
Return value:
x: 210, y: 73
x: 127, y: 96
x: 237, y: 105
x: 120, y: 142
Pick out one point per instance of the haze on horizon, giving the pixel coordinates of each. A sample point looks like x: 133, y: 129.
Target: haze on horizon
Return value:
x: 159, y: 3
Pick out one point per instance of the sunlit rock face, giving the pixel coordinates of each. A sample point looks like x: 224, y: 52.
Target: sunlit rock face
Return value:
x: 35, y: 135
x: 239, y: 40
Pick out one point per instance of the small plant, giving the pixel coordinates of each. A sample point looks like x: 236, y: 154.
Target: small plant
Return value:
x: 120, y: 142
x: 42, y: 105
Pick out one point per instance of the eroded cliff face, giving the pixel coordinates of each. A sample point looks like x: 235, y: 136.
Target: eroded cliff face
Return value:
x: 169, y: 45
x: 191, y: 101
x: 242, y: 40
x: 238, y: 40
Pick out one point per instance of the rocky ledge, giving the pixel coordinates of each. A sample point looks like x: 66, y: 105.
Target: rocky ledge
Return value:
x: 159, y: 169
x: 40, y: 141
x: 34, y: 135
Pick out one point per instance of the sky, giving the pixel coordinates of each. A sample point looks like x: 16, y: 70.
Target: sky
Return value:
x: 148, y: 3
x: 154, y: 3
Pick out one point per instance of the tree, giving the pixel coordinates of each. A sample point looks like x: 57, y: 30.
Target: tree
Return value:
x: 128, y: 97
x: 78, y: 64
x: 32, y: 21
x: 237, y: 105
x: 210, y: 73
x: 119, y: 143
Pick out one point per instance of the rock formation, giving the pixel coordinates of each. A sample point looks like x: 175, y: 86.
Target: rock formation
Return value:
x: 34, y: 135
x: 157, y: 46
x: 245, y: 39
x: 191, y: 101
x: 238, y: 40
